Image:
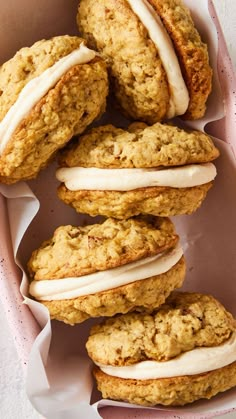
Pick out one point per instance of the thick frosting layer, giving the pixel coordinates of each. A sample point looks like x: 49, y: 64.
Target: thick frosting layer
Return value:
x: 197, y: 361
x: 36, y: 88
x: 68, y: 288
x: 77, y: 178
x: 178, y: 91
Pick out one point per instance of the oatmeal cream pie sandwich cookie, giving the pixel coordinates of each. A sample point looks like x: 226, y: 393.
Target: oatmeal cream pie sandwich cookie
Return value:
x: 105, y: 269
x: 159, y: 66
x: 160, y: 170
x: 182, y: 352
x: 48, y: 93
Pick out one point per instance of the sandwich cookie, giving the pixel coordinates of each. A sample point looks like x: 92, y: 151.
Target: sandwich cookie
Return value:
x: 105, y: 269
x: 48, y: 93
x: 184, y: 351
x: 159, y: 66
x: 160, y: 170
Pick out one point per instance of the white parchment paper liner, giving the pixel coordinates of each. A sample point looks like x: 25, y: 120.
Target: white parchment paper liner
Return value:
x: 59, y: 383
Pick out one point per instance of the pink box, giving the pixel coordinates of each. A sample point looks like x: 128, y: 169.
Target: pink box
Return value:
x: 24, y: 325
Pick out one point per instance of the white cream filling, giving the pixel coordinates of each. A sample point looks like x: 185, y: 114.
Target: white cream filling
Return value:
x: 80, y: 178
x: 193, y: 362
x: 68, y: 288
x: 36, y: 88
x: 178, y: 91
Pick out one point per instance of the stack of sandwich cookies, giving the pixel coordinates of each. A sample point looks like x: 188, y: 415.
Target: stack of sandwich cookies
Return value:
x: 109, y: 268
x: 159, y: 66
x: 48, y: 93
x: 160, y: 347
x: 160, y: 170
x: 183, y: 352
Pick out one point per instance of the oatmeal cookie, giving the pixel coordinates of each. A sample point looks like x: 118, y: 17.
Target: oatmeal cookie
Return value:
x: 67, y: 95
x: 150, y: 150
x: 182, y: 352
x: 139, y: 54
x: 162, y: 202
x: 158, y: 145
x: 176, y: 391
x: 108, y: 268
x: 186, y: 321
x: 141, y: 296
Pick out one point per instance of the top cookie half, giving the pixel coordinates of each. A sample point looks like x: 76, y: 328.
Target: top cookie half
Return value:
x: 159, y: 66
x: 48, y: 93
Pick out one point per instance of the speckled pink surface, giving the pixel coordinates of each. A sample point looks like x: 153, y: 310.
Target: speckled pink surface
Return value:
x: 118, y: 413
x: 24, y: 326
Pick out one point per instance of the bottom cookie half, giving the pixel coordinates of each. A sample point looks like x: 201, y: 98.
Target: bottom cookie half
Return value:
x: 174, y: 391
x: 144, y: 295
x: 159, y: 201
